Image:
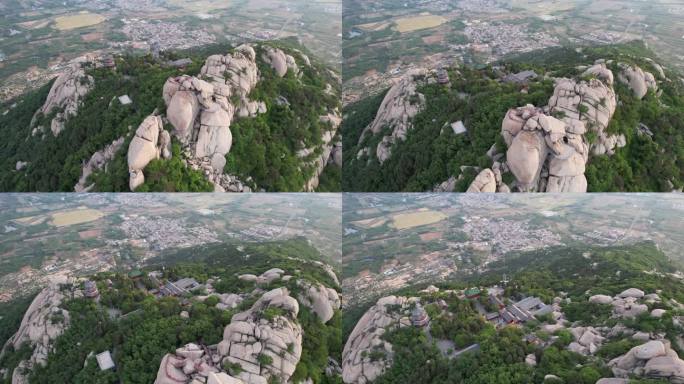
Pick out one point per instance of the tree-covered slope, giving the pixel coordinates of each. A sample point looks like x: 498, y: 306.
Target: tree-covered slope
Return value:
x: 432, y: 152
x: 265, y: 149
x: 140, y: 328
x: 576, y: 281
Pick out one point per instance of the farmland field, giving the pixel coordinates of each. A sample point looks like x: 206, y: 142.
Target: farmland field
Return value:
x: 415, y: 23
x: 417, y: 219
x: 79, y: 20
x: 77, y: 216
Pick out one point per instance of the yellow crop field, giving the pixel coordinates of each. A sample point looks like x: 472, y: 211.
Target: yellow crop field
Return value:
x: 415, y: 23
x: 76, y: 216
x: 78, y: 20
x: 201, y: 5
x: 417, y: 219
x: 370, y: 223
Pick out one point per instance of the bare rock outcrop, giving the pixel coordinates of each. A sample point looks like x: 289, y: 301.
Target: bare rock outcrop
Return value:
x: 587, y: 340
x: 544, y: 153
x: 333, y: 120
x: 280, y: 61
x: 201, y: 110
x: 322, y: 300
x: 188, y: 364
x: 150, y: 142
x: 66, y: 94
x: 267, y: 347
x: 401, y: 103
x: 653, y: 359
x: 43, y: 322
x: 638, y: 80
x: 267, y: 277
x: 548, y: 147
x: 265, y: 341
x: 97, y: 161
x: 389, y: 312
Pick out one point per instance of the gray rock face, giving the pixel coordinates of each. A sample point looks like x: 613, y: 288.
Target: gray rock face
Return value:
x: 97, y: 161
x: 547, y: 147
x: 587, y: 340
x: 587, y: 106
x: 279, y: 61
x: 333, y: 120
x: 637, y: 79
x: 188, y: 364
x: 401, y: 103
x: 389, y: 312
x: 201, y: 110
x: 484, y: 182
x: 145, y: 147
x: 266, y: 341
x: 251, y: 334
x: 653, y: 359
x: 66, y: 94
x: 601, y: 299
x: 545, y: 154
x: 42, y: 323
x: 322, y: 300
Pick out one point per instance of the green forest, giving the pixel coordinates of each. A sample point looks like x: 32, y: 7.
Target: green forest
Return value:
x: 149, y: 327
x: 264, y: 148
x: 431, y: 154
x: 545, y: 274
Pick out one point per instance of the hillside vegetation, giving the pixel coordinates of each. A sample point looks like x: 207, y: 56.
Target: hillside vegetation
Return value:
x: 432, y: 152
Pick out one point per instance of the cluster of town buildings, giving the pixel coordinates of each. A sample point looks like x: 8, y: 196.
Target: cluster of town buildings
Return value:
x: 498, y: 39
x: 502, y: 236
x: 160, y: 233
x: 161, y: 35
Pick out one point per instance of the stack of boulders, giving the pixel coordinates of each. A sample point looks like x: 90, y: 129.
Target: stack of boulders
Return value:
x: 388, y: 313
x: 226, y: 300
x: 267, y: 277
x: 97, y: 161
x: 251, y: 335
x: 280, y: 61
x: 630, y: 303
x: 587, y: 340
x: 201, y: 111
x: 488, y: 180
x: 544, y: 153
x: 267, y: 348
x: 65, y: 96
x: 189, y: 363
x: 42, y: 323
x: 333, y: 120
x: 150, y: 142
x: 588, y: 106
x: 653, y: 359
x: 401, y: 103
x: 548, y: 147
x: 322, y: 300
x: 638, y: 80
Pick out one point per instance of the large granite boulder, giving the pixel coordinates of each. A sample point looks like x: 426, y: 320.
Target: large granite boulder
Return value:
x: 322, y: 300
x: 97, y: 161
x: 389, y: 312
x: 182, y: 112
x: 43, y: 322
x: 144, y: 147
x: 637, y: 79
x: 485, y: 181
x: 653, y: 359
x: 66, y: 94
x: 280, y: 61
x: 401, y: 103
x: 266, y: 340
